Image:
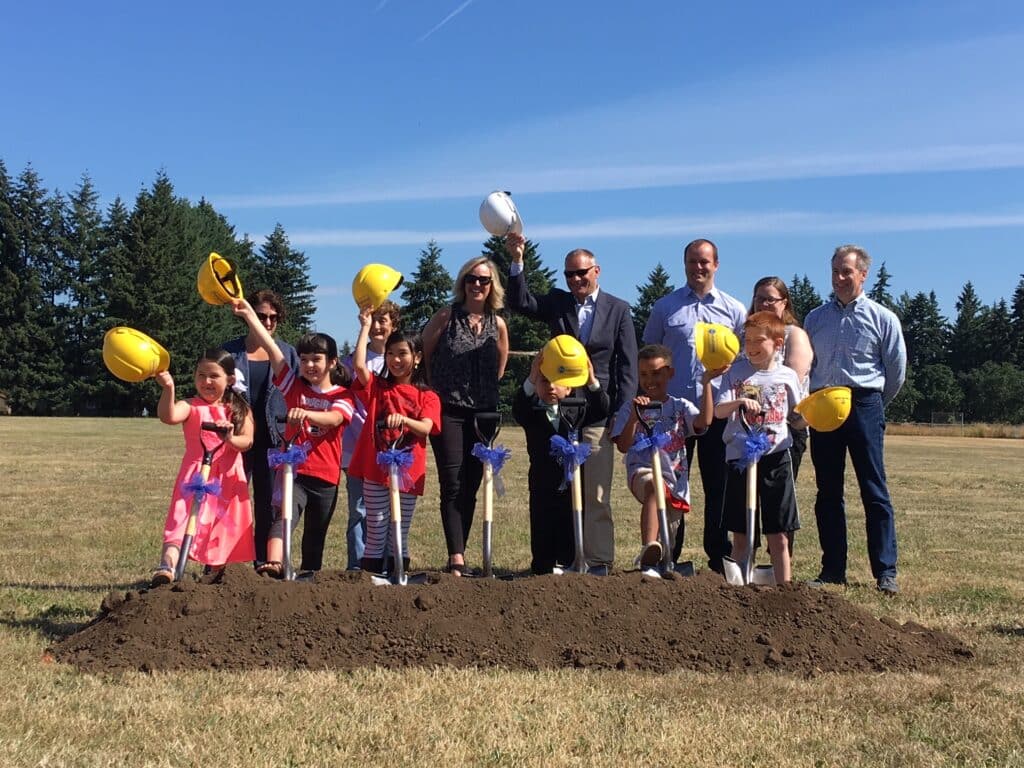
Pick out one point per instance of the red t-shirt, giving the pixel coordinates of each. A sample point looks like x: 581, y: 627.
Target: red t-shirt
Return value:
x: 324, y: 460
x: 382, y: 397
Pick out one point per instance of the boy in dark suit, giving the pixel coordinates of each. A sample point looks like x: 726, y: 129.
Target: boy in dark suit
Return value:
x: 537, y: 409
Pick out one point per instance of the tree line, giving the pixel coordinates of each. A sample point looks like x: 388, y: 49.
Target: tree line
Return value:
x: 70, y: 271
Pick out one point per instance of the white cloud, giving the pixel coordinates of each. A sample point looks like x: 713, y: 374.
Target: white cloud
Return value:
x: 738, y: 222
x: 446, y: 19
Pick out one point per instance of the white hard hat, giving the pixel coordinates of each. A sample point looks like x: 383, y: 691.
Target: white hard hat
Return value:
x: 499, y: 216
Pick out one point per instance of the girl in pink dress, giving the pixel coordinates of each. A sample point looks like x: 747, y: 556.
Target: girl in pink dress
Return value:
x: 224, y: 533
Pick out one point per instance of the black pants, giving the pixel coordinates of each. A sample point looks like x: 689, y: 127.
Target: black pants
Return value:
x: 262, y: 477
x: 317, y: 498
x: 551, y: 534
x: 459, y: 474
x: 713, y: 472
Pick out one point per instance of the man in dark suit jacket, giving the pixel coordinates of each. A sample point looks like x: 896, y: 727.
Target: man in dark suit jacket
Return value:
x: 604, y: 324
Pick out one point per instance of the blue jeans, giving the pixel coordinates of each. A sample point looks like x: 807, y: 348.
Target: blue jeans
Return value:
x: 863, y: 436
x: 355, y: 532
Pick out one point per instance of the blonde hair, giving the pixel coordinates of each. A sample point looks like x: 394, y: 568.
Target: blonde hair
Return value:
x: 495, y: 297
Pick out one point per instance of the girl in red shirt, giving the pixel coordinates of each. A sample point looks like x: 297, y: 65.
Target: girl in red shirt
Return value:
x: 402, y: 400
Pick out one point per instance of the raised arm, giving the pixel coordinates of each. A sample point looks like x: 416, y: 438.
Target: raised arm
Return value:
x: 359, y: 367
x: 169, y: 410
x: 243, y: 309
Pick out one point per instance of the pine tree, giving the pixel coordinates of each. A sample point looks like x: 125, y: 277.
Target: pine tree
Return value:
x: 116, y: 293
x: 964, y: 342
x: 997, y: 334
x: 939, y: 390
x: 285, y: 271
x: 657, y: 285
x: 17, y: 289
x: 429, y: 289
x: 925, y: 330
x: 1017, y: 317
x: 803, y: 297
x: 83, y: 341
x: 880, y: 291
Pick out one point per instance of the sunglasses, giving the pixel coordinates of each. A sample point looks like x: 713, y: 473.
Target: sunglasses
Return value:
x: 478, y: 279
x: 571, y: 273
x: 263, y: 317
x: 771, y: 301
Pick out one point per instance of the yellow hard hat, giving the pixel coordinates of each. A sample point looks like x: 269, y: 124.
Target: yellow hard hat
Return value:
x: 565, y: 362
x: 373, y: 283
x: 217, y: 281
x: 826, y: 409
x: 132, y: 356
x: 716, y: 345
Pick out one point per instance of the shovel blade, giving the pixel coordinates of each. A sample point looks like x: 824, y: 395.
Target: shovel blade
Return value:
x: 733, y: 572
x: 764, y: 575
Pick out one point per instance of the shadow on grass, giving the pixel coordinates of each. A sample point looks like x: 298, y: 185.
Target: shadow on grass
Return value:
x: 51, y: 623
x: 1008, y: 631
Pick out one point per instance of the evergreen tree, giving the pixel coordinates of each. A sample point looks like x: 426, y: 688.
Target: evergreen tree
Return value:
x: 83, y: 341
x: 18, y: 291
x: 993, y: 392
x: 925, y: 330
x: 284, y: 270
x: 116, y: 293
x: 803, y: 297
x: 964, y: 344
x: 997, y: 339
x: 429, y: 289
x: 1017, y: 317
x: 880, y: 290
x: 939, y: 390
x: 901, y: 408
x: 657, y: 285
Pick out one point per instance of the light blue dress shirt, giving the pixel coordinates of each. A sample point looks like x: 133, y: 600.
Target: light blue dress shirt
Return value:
x: 672, y: 322
x: 859, y: 345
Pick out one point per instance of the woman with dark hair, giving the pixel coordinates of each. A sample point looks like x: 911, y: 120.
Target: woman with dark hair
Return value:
x: 771, y: 294
x: 252, y: 368
x: 465, y: 347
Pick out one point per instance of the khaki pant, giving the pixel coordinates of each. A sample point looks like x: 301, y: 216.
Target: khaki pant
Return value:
x: 598, y: 526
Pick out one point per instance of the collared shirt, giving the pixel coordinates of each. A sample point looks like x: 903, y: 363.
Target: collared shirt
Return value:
x: 859, y: 345
x: 672, y: 322
x: 584, y: 311
x: 585, y: 315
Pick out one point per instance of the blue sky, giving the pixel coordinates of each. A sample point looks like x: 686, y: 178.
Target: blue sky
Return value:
x: 778, y: 130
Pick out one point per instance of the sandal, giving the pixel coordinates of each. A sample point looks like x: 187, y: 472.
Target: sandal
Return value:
x: 456, y: 569
x: 162, y: 575
x: 272, y: 568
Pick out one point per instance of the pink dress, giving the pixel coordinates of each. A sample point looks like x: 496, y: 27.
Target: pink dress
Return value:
x: 224, y: 532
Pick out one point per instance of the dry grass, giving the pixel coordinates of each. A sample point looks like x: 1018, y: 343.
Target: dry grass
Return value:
x: 84, y: 501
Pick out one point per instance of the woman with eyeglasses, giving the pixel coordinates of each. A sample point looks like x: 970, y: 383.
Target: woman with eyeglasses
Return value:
x: 465, y: 348
x: 252, y: 368
x: 772, y: 295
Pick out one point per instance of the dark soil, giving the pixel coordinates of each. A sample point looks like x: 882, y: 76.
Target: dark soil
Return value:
x: 626, y: 621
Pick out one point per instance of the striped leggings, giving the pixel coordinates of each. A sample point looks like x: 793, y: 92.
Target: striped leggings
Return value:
x: 377, y: 499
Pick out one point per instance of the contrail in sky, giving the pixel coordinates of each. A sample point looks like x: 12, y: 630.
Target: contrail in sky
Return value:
x: 446, y: 19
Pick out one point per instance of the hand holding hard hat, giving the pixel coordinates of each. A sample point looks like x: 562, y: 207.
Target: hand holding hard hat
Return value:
x: 218, y: 281
x: 827, y: 409
x: 565, y: 362
x: 716, y: 345
x: 132, y: 355
x: 499, y: 216
x: 373, y: 283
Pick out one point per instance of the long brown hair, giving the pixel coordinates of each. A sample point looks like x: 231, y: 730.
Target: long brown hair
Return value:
x: 236, y: 403
x: 779, y: 285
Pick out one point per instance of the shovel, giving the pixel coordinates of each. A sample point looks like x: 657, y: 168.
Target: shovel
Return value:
x: 488, y: 482
x: 666, y: 565
x: 572, y: 411
x: 397, y: 574
x: 197, y: 497
x: 736, y: 573
x: 288, y: 465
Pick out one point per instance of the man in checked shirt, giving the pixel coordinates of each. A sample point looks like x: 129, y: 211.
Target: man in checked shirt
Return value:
x: 859, y: 344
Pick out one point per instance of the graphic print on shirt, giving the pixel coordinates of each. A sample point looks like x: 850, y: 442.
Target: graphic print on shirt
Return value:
x: 772, y: 398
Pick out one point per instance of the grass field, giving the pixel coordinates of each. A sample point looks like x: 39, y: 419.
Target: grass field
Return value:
x: 83, y: 503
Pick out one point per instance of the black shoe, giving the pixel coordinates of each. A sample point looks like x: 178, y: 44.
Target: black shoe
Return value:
x: 824, y: 579
x: 598, y: 570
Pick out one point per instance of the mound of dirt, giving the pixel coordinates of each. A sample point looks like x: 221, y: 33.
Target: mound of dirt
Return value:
x: 625, y: 621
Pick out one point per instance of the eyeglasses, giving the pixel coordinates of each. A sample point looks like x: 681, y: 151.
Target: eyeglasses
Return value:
x: 771, y: 301
x: 571, y: 273
x: 263, y: 317
x: 478, y: 279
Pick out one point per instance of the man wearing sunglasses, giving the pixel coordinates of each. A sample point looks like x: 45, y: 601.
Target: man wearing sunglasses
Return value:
x: 604, y: 324
x: 672, y: 322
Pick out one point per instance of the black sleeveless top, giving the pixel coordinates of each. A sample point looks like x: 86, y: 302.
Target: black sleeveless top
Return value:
x: 464, y: 366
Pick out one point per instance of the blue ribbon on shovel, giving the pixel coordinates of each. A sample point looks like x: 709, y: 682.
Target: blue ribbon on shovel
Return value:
x: 754, y: 447
x: 296, y: 455
x: 401, y: 458
x: 645, y: 443
x: 569, y: 456
x: 497, y: 456
x: 197, y: 488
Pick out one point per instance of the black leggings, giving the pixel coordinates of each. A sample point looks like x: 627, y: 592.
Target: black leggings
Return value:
x: 317, y: 499
x: 262, y: 477
x: 459, y: 474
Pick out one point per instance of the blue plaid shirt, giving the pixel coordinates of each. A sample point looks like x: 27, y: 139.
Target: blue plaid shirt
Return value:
x: 672, y: 322
x: 859, y: 345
